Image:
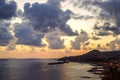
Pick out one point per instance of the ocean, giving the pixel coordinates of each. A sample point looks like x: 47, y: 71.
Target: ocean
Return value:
x: 16, y: 69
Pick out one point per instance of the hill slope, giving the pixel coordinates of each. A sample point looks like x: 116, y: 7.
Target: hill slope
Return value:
x: 94, y: 56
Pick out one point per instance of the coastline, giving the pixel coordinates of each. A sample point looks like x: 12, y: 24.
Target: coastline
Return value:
x: 108, y: 70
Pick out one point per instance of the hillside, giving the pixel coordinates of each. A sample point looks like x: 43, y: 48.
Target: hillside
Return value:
x: 94, y: 56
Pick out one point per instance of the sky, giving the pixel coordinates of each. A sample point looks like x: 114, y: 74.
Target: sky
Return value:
x: 58, y: 28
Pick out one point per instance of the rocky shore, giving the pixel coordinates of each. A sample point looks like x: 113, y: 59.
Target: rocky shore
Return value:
x: 107, y: 64
x: 112, y: 72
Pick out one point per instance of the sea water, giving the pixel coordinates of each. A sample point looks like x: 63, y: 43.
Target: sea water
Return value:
x: 14, y: 69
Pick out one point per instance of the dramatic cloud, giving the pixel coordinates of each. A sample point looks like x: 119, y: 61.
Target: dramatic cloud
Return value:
x: 87, y: 5
x: 76, y: 44
x: 105, y: 29
x: 102, y: 33
x: 5, y: 35
x: 106, y: 11
x: 54, y: 41
x: 26, y: 35
x: 79, y: 41
x: 111, y: 13
x: 114, y: 45
x: 46, y: 17
x: 7, y: 9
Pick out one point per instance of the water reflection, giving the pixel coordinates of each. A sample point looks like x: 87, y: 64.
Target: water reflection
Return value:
x: 39, y: 70
x: 76, y: 71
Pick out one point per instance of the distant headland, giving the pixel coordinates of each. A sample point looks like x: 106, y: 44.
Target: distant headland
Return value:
x: 94, y: 56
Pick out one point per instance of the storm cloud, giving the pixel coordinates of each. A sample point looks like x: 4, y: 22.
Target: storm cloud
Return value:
x: 111, y: 14
x: 27, y: 36
x: 79, y: 41
x: 102, y: 33
x: 46, y: 17
x: 5, y: 35
x: 7, y: 9
x: 106, y: 11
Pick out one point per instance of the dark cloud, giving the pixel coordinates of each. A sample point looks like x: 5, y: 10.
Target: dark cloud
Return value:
x: 114, y: 44
x: 96, y: 38
x: 110, y: 11
x: 55, y: 43
x: 104, y: 15
x: 107, y: 11
x: 79, y: 41
x: 19, y: 13
x: 84, y: 3
x: 87, y: 43
x: 103, y: 33
x: 76, y: 43
x: 5, y: 35
x: 115, y: 30
x: 106, y: 29
x: 46, y: 17
x: 55, y: 2
x: 7, y: 9
x: 87, y: 5
x: 85, y: 17
x: 110, y: 7
x: 83, y: 32
x: 54, y: 40
x: 96, y: 26
x: 70, y: 12
x: 27, y: 36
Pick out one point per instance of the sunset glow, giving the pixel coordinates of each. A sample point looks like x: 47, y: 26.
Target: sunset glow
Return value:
x: 58, y: 28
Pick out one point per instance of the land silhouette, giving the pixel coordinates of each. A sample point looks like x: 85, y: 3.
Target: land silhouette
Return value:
x: 110, y: 60
x: 94, y: 56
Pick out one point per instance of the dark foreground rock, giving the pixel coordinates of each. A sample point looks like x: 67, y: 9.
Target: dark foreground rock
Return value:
x: 113, y: 72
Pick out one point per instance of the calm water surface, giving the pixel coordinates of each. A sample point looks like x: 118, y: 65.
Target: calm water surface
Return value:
x: 40, y: 70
